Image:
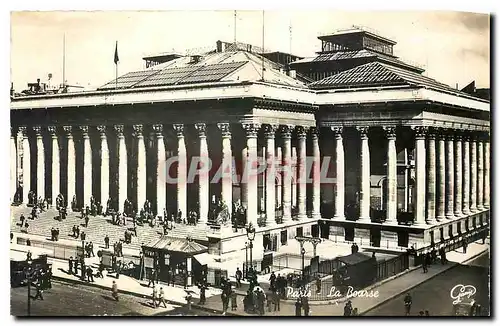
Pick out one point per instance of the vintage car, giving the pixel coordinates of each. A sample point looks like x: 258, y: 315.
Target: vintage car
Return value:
x: 467, y: 307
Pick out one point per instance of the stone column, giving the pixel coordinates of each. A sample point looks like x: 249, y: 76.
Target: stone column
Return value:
x: 71, y: 165
x: 203, y: 180
x: 473, y: 170
x: 141, y: 166
x: 243, y: 186
x: 40, y: 163
x: 250, y: 174
x: 26, y: 163
x: 286, y: 134
x: 364, y: 212
x: 431, y: 178
x: 13, y: 165
x: 122, y: 167
x: 104, y: 166
x: 87, y: 166
x: 181, y: 170
x: 294, y: 176
x: 441, y: 189
x: 301, y: 172
x: 458, y: 175
x: 340, y: 170
x: 392, y: 170
x: 450, y: 175
x: 270, y: 131
x: 227, y: 166
x: 279, y: 186
x: 480, y: 174
x: 466, y: 194
x: 420, y: 171
x: 487, y: 180
x: 161, y: 171
x: 316, y: 174
x: 55, y: 164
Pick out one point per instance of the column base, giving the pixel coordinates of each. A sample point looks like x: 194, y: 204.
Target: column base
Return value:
x: 450, y: 216
x: 440, y: 219
x: 337, y: 233
x: 431, y: 221
x: 388, y: 239
x: 390, y: 222
x: 362, y: 236
x: 466, y: 212
x: 316, y: 215
x: 339, y: 217
x: 473, y: 210
x: 301, y: 216
x: 481, y: 208
x: 364, y: 219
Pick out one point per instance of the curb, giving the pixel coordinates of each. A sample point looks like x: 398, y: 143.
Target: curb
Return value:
x: 417, y: 284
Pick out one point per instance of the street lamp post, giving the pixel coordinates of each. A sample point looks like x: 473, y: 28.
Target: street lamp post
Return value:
x: 251, y: 236
x: 28, y: 272
x: 246, y: 260
x: 303, y: 252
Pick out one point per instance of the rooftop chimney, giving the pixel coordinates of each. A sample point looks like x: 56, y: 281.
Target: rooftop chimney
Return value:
x: 219, y: 46
x: 292, y: 73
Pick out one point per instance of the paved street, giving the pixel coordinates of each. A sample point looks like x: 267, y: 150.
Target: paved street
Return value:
x: 66, y: 299
x: 434, y: 295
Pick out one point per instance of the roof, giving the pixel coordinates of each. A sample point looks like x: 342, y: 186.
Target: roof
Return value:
x: 356, y: 54
x: 210, y: 67
x: 356, y: 30
x: 354, y: 258
x: 177, y: 245
x: 379, y: 74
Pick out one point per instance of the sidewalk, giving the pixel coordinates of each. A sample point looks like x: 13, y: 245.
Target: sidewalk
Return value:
x: 387, y: 289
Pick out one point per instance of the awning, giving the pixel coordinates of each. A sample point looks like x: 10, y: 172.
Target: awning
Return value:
x: 208, y: 259
x: 177, y: 245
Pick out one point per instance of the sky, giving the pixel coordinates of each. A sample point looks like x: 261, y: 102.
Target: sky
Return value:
x: 453, y: 47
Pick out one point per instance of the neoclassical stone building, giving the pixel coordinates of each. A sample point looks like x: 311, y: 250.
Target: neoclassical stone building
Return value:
x: 409, y: 157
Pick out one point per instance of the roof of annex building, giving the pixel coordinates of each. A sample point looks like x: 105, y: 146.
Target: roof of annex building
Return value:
x: 379, y: 74
x: 213, y: 67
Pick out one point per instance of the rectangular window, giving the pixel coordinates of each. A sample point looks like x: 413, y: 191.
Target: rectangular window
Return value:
x: 300, y: 231
x: 284, y: 238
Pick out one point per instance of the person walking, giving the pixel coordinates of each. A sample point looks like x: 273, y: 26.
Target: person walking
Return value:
x: 348, y: 308
x: 70, y: 265
x: 239, y: 276
x: 90, y: 274
x: 154, y: 296
x: 408, y: 302
x: 39, y: 291
x: 106, y: 242
x: 203, y: 288
x: 91, y: 248
x: 298, y: 307
x: 161, y: 298
x: 114, y: 290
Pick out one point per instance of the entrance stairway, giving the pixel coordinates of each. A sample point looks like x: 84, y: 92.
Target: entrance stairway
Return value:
x: 98, y: 228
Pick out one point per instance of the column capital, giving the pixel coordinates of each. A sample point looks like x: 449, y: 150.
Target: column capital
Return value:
x: 179, y: 128
x: 337, y: 131
x: 251, y: 129
x: 119, y: 130
x: 84, y: 130
x: 201, y: 128
x: 24, y: 131
x: 68, y: 130
x: 473, y: 137
x: 301, y: 132
x: 225, y: 129
x: 314, y: 132
x: 363, y: 130
x: 286, y: 131
x: 158, y: 130
x: 38, y: 130
x: 101, y: 129
x: 420, y: 131
x: 138, y: 130
x: 270, y: 130
x: 431, y: 134
x: 53, y: 131
x: 390, y: 131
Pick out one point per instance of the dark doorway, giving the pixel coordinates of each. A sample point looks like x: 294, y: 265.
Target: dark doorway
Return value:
x: 375, y: 237
x: 315, y: 231
x: 403, y: 239
x: 349, y: 233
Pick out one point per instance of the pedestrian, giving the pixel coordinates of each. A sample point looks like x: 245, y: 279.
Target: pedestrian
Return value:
x: 76, y: 266
x: 152, y: 278
x: 91, y: 248
x: 276, y: 301
x: 100, y: 270
x: 464, y: 245
x: 305, y: 305
x: 106, y: 242
x: 28, y: 242
x: 154, y: 295
x: 348, y: 308
x: 86, y: 221
x: 355, y: 312
x: 234, y: 304
x: 427, y: 313
x: 90, y: 274
x: 39, y: 291
x: 203, y: 288
x: 424, y: 262
x: 189, y: 300
x: 70, y: 265
x: 272, y: 280
x: 239, y: 276
x: 298, y: 308
x: 408, y: 302
x: 421, y: 313
x: 161, y: 298
x: 114, y: 290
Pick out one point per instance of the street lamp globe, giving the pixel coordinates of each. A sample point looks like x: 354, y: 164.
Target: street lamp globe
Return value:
x: 250, y: 232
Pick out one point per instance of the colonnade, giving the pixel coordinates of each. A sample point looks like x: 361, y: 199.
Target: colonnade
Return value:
x: 452, y: 169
